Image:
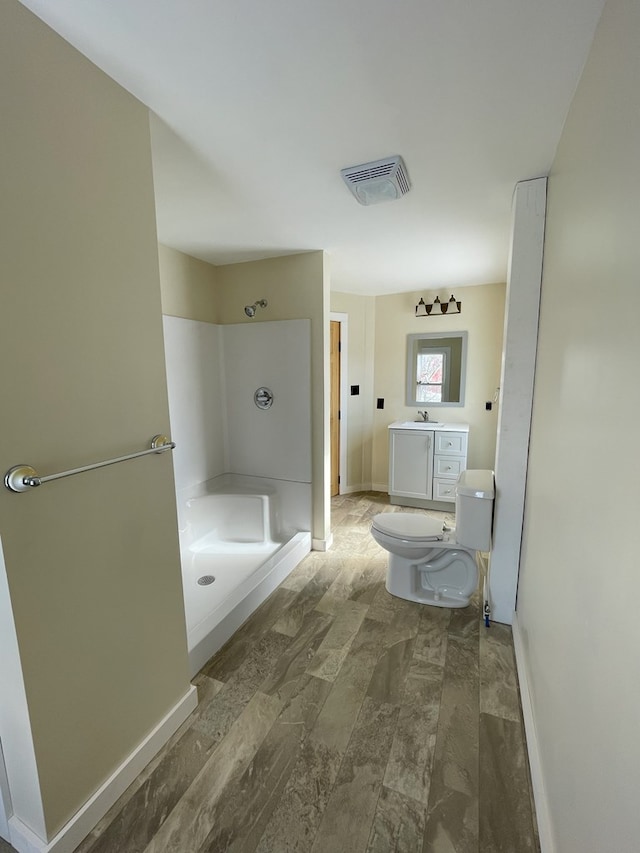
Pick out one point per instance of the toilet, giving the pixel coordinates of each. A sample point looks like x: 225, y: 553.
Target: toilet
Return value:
x: 429, y: 563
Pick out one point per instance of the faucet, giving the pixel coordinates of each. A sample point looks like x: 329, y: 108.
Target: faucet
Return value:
x: 424, y: 415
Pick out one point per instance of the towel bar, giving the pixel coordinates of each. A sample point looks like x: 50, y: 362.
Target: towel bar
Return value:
x: 21, y: 478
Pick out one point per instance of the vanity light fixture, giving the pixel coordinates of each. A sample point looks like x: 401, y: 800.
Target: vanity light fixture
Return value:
x: 431, y: 309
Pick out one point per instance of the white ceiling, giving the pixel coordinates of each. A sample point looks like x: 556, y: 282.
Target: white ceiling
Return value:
x: 259, y: 103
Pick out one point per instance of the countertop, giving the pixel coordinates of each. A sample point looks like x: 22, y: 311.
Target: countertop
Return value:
x: 437, y: 426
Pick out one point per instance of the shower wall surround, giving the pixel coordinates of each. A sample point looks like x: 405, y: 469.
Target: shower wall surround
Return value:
x: 194, y: 381
x: 275, y: 442
x: 212, y: 374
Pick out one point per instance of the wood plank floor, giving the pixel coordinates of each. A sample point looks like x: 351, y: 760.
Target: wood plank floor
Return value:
x: 342, y: 720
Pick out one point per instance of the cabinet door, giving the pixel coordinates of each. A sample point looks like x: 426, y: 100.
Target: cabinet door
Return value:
x: 411, y: 463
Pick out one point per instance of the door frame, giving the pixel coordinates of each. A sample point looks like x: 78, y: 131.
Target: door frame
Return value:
x: 343, y: 319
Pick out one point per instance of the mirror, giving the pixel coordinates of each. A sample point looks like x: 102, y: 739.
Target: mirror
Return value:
x: 436, y: 369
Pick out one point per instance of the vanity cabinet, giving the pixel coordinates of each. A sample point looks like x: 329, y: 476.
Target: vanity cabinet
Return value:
x: 425, y: 463
x: 411, y: 463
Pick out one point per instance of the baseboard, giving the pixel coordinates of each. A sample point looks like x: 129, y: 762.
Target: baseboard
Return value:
x: 81, y: 824
x: 537, y: 781
x: 322, y: 544
x: 380, y: 487
x: 423, y: 503
x: 350, y: 490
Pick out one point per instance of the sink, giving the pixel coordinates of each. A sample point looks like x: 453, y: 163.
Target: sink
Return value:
x: 423, y: 424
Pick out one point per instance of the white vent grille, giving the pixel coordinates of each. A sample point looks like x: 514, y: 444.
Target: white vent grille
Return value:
x: 380, y: 180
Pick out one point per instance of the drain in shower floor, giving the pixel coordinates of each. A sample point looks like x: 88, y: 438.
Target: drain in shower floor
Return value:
x: 205, y: 580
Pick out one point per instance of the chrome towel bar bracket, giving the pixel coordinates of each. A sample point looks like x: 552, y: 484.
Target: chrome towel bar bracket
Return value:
x: 21, y: 478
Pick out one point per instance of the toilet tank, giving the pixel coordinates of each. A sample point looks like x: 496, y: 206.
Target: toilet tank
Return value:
x: 475, y: 491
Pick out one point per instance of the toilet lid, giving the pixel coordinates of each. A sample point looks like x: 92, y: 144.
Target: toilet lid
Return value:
x: 408, y: 525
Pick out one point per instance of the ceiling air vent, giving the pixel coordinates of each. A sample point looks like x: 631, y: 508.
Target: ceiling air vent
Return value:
x: 381, y: 180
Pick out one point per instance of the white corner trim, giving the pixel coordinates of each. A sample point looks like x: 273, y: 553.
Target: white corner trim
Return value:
x: 6, y: 808
x: 322, y: 544
x: 343, y: 319
x: 517, y: 377
x: 70, y: 836
x: 21, y: 784
x: 537, y: 782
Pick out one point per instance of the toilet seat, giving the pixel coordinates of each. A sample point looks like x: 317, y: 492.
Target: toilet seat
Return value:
x: 409, y: 526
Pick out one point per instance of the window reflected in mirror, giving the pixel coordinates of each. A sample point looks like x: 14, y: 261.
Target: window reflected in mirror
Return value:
x: 436, y: 365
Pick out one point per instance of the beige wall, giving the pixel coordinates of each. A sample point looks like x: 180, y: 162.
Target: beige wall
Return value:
x: 360, y: 311
x: 482, y: 316
x: 295, y: 287
x: 92, y: 561
x: 579, y: 581
x: 189, y: 287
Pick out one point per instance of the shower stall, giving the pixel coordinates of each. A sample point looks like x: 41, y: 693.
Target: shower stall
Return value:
x: 240, y: 409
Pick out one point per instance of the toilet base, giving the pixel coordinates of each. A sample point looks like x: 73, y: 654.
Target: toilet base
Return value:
x: 450, y: 586
x: 428, y: 597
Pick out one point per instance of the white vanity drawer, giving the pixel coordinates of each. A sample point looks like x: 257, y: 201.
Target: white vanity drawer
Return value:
x: 451, y: 443
x: 444, y: 490
x: 448, y: 467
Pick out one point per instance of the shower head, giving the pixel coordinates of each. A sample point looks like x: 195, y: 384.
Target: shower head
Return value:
x: 250, y: 310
